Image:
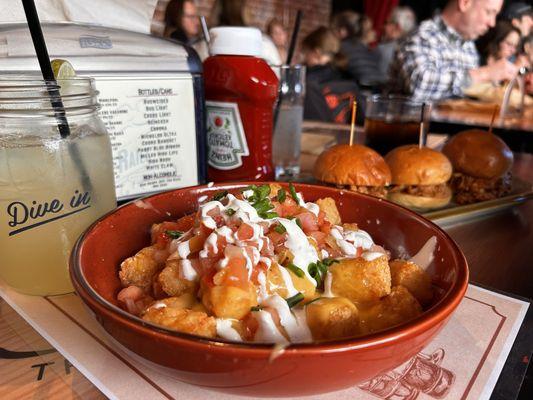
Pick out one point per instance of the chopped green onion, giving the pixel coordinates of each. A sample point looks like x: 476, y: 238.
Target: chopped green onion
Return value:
x: 282, y: 195
x: 220, y: 195
x: 297, y: 220
x: 256, y: 308
x: 312, y: 301
x: 292, y: 190
x: 293, y: 300
x: 230, y: 211
x: 280, y: 229
x: 295, y: 270
x: 319, y: 269
x: 269, y: 215
x: 263, y: 191
x: 174, y: 234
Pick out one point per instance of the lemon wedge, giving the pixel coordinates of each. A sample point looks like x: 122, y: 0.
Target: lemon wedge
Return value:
x: 62, y: 69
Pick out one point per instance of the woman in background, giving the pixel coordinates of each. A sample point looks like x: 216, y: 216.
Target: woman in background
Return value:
x: 329, y: 94
x: 354, y: 32
x: 278, y: 34
x: 502, y: 41
x: 234, y: 13
x: 182, y: 22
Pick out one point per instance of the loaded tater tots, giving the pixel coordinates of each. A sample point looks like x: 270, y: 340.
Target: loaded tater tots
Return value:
x: 264, y: 265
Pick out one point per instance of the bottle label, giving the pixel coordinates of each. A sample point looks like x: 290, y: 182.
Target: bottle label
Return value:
x: 226, y: 140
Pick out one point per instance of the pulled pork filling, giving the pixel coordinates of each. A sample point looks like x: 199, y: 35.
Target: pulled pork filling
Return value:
x: 440, y: 191
x: 376, y: 191
x: 470, y: 190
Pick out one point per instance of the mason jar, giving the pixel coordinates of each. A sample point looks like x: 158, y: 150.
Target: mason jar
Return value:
x: 56, y: 178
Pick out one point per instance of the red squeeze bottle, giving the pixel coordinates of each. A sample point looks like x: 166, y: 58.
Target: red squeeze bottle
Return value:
x: 240, y: 91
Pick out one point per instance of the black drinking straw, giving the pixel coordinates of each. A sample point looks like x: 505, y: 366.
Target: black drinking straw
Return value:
x: 46, y: 69
x: 294, y: 36
x: 290, y: 53
x: 53, y: 89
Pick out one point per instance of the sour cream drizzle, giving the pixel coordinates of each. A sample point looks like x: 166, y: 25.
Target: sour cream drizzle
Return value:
x: 297, y: 330
x: 187, y: 271
x: 349, y: 241
x: 226, y: 331
x: 297, y: 242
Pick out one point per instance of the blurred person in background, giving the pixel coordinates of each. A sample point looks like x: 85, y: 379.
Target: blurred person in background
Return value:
x: 182, y: 22
x: 520, y: 15
x: 234, y: 13
x: 278, y: 34
x: 363, y: 62
x: 401, y: 21
x: 368, y: 33
x: 329, y: 93
x: 439, y: 60
x: 527, y: 51
x: 502, y: 41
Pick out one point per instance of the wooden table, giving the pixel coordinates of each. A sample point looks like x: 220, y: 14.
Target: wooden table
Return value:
x: 457, y: 115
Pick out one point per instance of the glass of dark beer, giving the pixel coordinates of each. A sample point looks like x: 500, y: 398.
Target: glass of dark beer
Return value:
x: 392, y: 121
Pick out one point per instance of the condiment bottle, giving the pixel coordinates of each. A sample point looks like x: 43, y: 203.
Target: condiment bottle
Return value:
x: 240, y: 92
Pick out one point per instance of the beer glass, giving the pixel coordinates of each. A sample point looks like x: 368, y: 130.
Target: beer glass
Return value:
x: 51, y: 187
x: 289, y: 117
x: 392, y: 121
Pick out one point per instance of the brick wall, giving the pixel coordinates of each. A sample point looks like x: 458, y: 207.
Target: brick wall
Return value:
x: 259, y: 12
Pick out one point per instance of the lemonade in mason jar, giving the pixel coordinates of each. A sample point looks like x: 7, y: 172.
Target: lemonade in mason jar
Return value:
x: 51, y: 187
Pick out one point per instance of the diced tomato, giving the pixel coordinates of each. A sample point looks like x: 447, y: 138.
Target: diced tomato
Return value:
x: 245, y: 232
x: 219, y: 220
x: 320, y: 238
x: 205, y: 263
x: 236, y: 273
x: 268, y: 247
x: 309, y: 221
x: 250, y: 326
x: 232, y: 251
x: 260, y: 267
x: 196, y: 243
x: 158, y: 235
x: 207, y: 278
x: 288, y: 208
x: 326, y: 227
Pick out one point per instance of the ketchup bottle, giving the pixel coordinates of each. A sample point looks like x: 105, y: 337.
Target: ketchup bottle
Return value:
x: 240, y: 90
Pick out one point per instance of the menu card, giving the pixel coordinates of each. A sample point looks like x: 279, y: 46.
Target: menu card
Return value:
x: 463, y: 362
x: 152, y: 126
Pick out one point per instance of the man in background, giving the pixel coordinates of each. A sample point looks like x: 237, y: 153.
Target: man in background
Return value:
x: 439, y: 60
x: 401, y: 21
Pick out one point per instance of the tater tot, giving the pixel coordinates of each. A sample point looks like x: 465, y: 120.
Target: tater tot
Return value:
x: 332, y: 318
x: 396, y: 308
x: 229, y: 301
x: 180, y: 319
x: 328, y: 206
x: 139, y: 269
x: 412, y: 277
x: 276, y: 283
x: 359, y: 280
x: 187, y: 300
x: 172, y: 282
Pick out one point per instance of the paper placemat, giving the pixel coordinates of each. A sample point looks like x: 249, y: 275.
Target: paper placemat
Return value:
x: 463, y: 362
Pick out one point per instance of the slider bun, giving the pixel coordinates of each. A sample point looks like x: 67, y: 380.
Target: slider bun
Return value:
x: 411, y: 165
x: 359, y: 165
x: 420, y: 202
x: 478, y: 153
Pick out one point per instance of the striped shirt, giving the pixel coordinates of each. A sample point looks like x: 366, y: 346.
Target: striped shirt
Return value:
x: 433, y: 62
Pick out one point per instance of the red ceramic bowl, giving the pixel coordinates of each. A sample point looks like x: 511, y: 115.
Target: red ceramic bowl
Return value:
x: 254, y: 369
